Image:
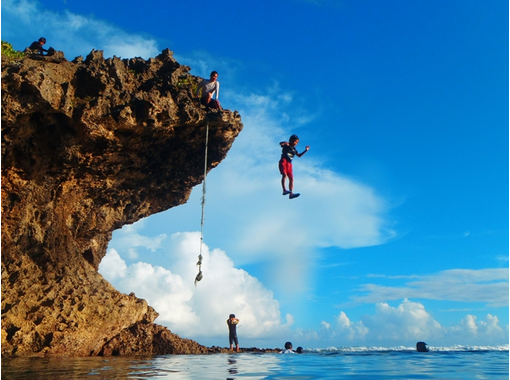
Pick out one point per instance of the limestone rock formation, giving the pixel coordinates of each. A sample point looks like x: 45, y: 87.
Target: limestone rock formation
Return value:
x: 87, y: 147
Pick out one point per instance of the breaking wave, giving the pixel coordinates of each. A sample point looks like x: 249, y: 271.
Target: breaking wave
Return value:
x: 361, y: 349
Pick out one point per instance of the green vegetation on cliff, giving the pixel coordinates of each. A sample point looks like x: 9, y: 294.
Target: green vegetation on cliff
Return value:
x: 9, y: 52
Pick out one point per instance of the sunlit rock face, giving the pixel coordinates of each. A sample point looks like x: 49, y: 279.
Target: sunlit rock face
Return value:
x: 87, y: 147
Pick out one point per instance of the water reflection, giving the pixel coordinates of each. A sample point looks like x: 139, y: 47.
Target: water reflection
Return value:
x: 160, y: 367
x: 383, y: 366
x: 77, y: 368
x: 232, y: 366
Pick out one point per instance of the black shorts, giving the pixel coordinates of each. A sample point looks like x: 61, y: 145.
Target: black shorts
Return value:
x: 232, y: 338
x: 213, y: 103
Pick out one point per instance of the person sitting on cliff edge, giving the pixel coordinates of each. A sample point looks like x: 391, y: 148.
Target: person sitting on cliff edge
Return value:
x: 37, y: 46
x: 210, y: 87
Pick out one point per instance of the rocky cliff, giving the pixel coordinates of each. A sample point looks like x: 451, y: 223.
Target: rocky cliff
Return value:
x: 87, y: 147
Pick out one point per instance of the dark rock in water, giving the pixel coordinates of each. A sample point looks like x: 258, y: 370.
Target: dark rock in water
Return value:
x: 249, y: 350
x: 87, y: 147
x: 422, y: 347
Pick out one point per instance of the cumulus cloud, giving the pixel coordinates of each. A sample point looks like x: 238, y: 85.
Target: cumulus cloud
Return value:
x: 202, y: 310
x: 351, y: 331
x: 112, y: 266
x: 26, y: 20
x: 406, y: 324
x: 489, y: 286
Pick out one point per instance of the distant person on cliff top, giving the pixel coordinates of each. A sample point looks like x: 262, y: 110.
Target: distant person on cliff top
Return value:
x: 285, y: 164
x: 37, y: 46
x: 210, y: 88
x: 232, y: 322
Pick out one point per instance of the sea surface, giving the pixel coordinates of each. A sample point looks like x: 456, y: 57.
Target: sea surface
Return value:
x: 459, y: 362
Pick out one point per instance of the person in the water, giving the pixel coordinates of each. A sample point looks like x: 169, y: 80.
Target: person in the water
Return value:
x: 288, y: 349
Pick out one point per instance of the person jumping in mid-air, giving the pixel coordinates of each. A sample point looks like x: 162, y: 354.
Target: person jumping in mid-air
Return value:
x: 285, y: 164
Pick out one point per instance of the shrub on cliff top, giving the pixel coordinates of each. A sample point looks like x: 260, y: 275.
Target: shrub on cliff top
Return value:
x: 9, y: 52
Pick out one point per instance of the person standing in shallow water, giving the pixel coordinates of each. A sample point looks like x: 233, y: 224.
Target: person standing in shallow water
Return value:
x: 232, y: 322
x: 210, y: 88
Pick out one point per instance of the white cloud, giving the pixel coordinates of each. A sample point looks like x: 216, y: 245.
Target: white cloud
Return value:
x: 200, y: 313
x: 406, y: 324
x: 129, y: 237
x: 491, y: 326
x: 244, y: 195
x: 112, y: 266
x: 26, y: 20
x: 471, y: 330
x: 352, y: 331
x: 202, y: 310
x: 465, y: 285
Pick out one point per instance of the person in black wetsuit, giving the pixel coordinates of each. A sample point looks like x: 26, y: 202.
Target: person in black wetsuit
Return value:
x: 38, y: 46
x: 232, y: 322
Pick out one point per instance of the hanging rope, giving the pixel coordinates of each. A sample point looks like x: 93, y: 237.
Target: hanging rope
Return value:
x: 199, y: 263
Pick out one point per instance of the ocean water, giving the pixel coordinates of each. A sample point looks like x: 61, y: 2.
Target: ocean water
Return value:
x: 345, y: 363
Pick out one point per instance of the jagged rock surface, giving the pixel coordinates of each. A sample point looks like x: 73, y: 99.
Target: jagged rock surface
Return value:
x: 87, y: 147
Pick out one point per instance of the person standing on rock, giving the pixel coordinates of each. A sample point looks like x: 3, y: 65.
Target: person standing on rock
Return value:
x: 38, y: 46
x: 210, y: 88
x: 232, y: 322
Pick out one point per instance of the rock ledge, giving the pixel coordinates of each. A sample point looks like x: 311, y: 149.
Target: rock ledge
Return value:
x: 87, y: 147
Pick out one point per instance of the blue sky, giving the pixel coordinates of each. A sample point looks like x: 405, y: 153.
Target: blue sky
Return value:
x: 401, y: 231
